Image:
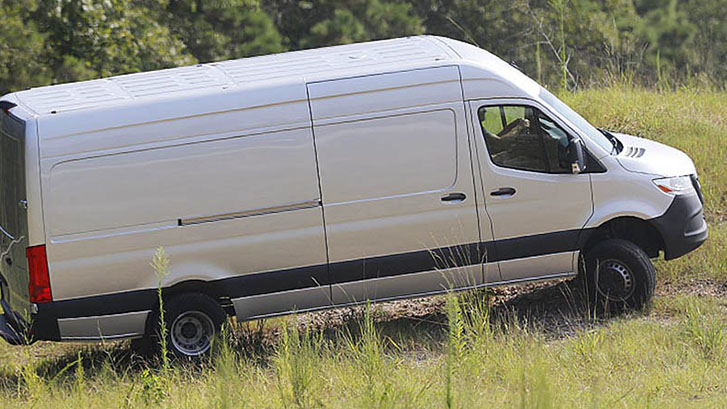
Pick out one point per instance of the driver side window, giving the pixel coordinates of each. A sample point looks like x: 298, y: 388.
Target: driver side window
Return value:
x: 521, y: 137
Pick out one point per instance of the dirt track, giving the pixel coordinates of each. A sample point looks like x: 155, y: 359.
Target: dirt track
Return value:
x: 556, y: 308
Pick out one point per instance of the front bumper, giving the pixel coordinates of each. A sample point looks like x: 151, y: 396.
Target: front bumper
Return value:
x: 683, y: 227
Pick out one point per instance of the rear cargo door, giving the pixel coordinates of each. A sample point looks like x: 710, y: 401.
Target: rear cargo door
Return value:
x: 13, y: 214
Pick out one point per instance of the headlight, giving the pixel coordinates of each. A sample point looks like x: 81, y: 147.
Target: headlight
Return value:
x: 675, y: 185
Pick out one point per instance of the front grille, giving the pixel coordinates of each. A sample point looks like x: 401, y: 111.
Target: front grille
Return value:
x: 697, y: 187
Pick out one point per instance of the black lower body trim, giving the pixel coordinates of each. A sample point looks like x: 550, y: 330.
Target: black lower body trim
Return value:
x: 272, y: 281
x: 407, y: 263
x: 45, y: 324
x: 537, y: 245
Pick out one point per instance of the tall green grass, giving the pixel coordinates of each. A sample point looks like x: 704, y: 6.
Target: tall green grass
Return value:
x: 672, y: 357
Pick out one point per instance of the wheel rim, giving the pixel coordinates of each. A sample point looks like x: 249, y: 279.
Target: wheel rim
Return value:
x: 192, y: 333
x: 615, y: 280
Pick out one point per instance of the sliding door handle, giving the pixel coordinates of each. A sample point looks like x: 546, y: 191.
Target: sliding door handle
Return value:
x: 454, y: 198
x: 503, y: 191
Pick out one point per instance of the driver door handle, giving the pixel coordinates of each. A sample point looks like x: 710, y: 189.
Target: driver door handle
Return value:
x: 503, y: 191
x: 454, y: 198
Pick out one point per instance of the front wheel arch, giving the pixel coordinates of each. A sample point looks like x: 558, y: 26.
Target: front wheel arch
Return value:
x: 638, y: 231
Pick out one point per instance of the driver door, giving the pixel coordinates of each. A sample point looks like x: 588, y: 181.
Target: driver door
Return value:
x: 537, y: 206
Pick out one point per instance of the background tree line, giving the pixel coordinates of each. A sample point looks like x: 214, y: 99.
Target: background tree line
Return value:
x: 562, y: 43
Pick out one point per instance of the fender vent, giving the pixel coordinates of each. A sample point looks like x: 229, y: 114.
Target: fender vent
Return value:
x: 633, y: 152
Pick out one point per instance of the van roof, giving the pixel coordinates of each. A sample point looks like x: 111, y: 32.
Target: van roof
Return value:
x: 308, y: 65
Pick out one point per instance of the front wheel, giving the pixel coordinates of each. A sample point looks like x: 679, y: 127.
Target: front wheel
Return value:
x: 619, y: 276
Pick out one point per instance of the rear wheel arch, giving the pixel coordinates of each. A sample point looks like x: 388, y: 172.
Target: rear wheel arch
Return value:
x: 191, y: 286
x: 187, y: 287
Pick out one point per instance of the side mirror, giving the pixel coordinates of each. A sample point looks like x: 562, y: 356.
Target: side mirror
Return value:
x: 576, y: 157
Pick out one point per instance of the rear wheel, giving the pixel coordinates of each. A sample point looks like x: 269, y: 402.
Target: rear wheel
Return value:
x: 192, y: 320
x: 619, y: 276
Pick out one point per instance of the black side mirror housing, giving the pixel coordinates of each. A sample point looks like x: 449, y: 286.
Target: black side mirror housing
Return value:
x: 576, y: 156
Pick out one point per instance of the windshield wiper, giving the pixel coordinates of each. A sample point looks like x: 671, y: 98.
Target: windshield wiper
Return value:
x: 614, y: 141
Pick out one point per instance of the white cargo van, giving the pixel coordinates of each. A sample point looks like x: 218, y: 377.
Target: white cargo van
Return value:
x: 316, y: 179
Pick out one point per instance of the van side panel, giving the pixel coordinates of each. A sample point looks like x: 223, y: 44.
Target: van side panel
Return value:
x: 190, y: 181
x: 109, y: 214
x: 227, y: 208
x: 388, y: 157
x: 384, y: 92
x: 390, y: 148
x: 163, y: 120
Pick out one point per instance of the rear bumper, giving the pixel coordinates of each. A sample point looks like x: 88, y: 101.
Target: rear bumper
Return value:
x: 18, y: 329
x: 683, y: 227
x: 42, y: 326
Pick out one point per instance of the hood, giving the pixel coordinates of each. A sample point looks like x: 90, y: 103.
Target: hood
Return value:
x: 646, y: 156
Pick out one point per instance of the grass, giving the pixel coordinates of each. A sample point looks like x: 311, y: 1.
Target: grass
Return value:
x: 479, y: 349
x: 674, y: 356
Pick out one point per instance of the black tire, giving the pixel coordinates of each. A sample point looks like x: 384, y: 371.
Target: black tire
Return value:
x: 192, y: 320
x: 143, y: 347
x: 619, y: 276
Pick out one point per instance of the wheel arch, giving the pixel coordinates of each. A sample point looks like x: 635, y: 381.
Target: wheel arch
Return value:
x: 641, y: 232
x: 186, y: 287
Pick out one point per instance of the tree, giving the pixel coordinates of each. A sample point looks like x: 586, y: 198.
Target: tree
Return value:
x: 669, y: 34
x: 222, y: 29
x: 506, y: 29
x: 21, y: 48
x: 88, y: 39
x: 308, y: 24
x: 48, y: 41
x: 528, y: 34
x: 710, y: 37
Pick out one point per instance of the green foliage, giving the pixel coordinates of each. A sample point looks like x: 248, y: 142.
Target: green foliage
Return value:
x: 367, y: 348
x: 295, y: 365
x: 153, y: 389
x: 22, y: 46
x: 565, y: 44
x: 223, y: 29
x: 456, y: 347
x: 160, y: 264
x: 87, y: 39
x: 308, y: 24
x: 709, y: 335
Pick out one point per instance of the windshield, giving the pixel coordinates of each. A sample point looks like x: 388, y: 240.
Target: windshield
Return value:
x: 593, y: 134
